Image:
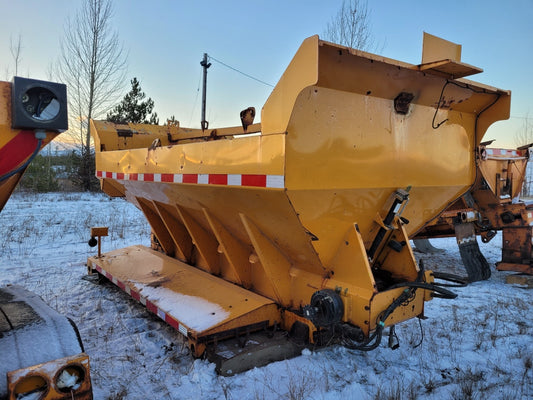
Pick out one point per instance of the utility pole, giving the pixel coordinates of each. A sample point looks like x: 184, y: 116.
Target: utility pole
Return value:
x: 205, y: 65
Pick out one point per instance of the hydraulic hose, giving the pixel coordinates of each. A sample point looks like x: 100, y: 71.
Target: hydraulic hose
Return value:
x: 438, y: 291
x: 374, y: 340
x: 367, y: 345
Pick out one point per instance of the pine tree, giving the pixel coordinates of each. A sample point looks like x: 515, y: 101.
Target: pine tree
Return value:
x: 133, y: 109
x: 40, y: 175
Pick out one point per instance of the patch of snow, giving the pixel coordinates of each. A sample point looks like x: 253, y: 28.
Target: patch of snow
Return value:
x: 480, y: 342
x: 30, y: 396
x: 68, y: 381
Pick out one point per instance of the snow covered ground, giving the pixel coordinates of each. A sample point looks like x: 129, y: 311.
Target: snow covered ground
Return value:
x: 478, y: 346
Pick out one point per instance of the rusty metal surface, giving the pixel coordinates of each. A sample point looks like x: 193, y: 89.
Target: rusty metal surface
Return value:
x: 492, y: 205
x: 23, y: 381
x: 516, y: 246
x: 524, y: 280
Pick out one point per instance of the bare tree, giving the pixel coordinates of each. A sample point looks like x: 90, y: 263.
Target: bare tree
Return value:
x: 92, y: 64
x: 351, y: 26
x: 523, y: 137
x: 15, y: 47
x: 525, y: 134
x: 50, y: 71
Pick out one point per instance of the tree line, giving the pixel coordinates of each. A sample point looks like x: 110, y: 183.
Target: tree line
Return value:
x: 92, y: 65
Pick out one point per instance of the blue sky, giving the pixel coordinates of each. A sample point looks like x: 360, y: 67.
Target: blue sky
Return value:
x: 165, y: 41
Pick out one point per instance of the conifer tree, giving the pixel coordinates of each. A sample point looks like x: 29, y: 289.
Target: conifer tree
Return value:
x: 133, y: 109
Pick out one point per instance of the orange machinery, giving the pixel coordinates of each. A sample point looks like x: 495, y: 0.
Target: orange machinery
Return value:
x: 303, y: 224
x: 492, y: 204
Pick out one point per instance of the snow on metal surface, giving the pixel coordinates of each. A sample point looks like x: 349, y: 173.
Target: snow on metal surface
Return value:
x: 196, y: 313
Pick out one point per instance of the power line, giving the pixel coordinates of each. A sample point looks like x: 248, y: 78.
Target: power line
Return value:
x: 240, y: 72
x: 195, y: 100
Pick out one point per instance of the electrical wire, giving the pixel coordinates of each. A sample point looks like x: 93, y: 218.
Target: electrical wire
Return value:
x: 195, y: 100
x: 467, y: 87
x: 23, y: 166
x: 240, y: 72
x: 437, y: 109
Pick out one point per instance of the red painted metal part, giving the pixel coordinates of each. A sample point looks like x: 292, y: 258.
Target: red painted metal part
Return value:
x: 16, y: 151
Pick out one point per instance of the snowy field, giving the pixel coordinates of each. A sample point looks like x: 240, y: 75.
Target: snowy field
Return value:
x: 478, y: 346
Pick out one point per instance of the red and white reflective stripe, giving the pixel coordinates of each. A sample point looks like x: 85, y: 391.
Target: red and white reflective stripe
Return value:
x: 266, y: 181
x: 173, y: 322
x: 502, y: 152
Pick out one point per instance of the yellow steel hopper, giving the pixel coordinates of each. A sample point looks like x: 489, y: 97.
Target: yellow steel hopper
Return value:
x: 304, y: 225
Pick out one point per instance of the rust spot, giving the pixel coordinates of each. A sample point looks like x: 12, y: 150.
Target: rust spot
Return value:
x: 445, y: 103
x: 402, y: 102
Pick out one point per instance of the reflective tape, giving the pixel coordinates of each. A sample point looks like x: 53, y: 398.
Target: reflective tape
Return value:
x: 251, y: 180
x: 169, y: 319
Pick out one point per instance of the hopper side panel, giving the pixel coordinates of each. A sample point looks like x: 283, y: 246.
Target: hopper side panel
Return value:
x: 301, y: 72
x: 212, y: 216
x: 192, y: 300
